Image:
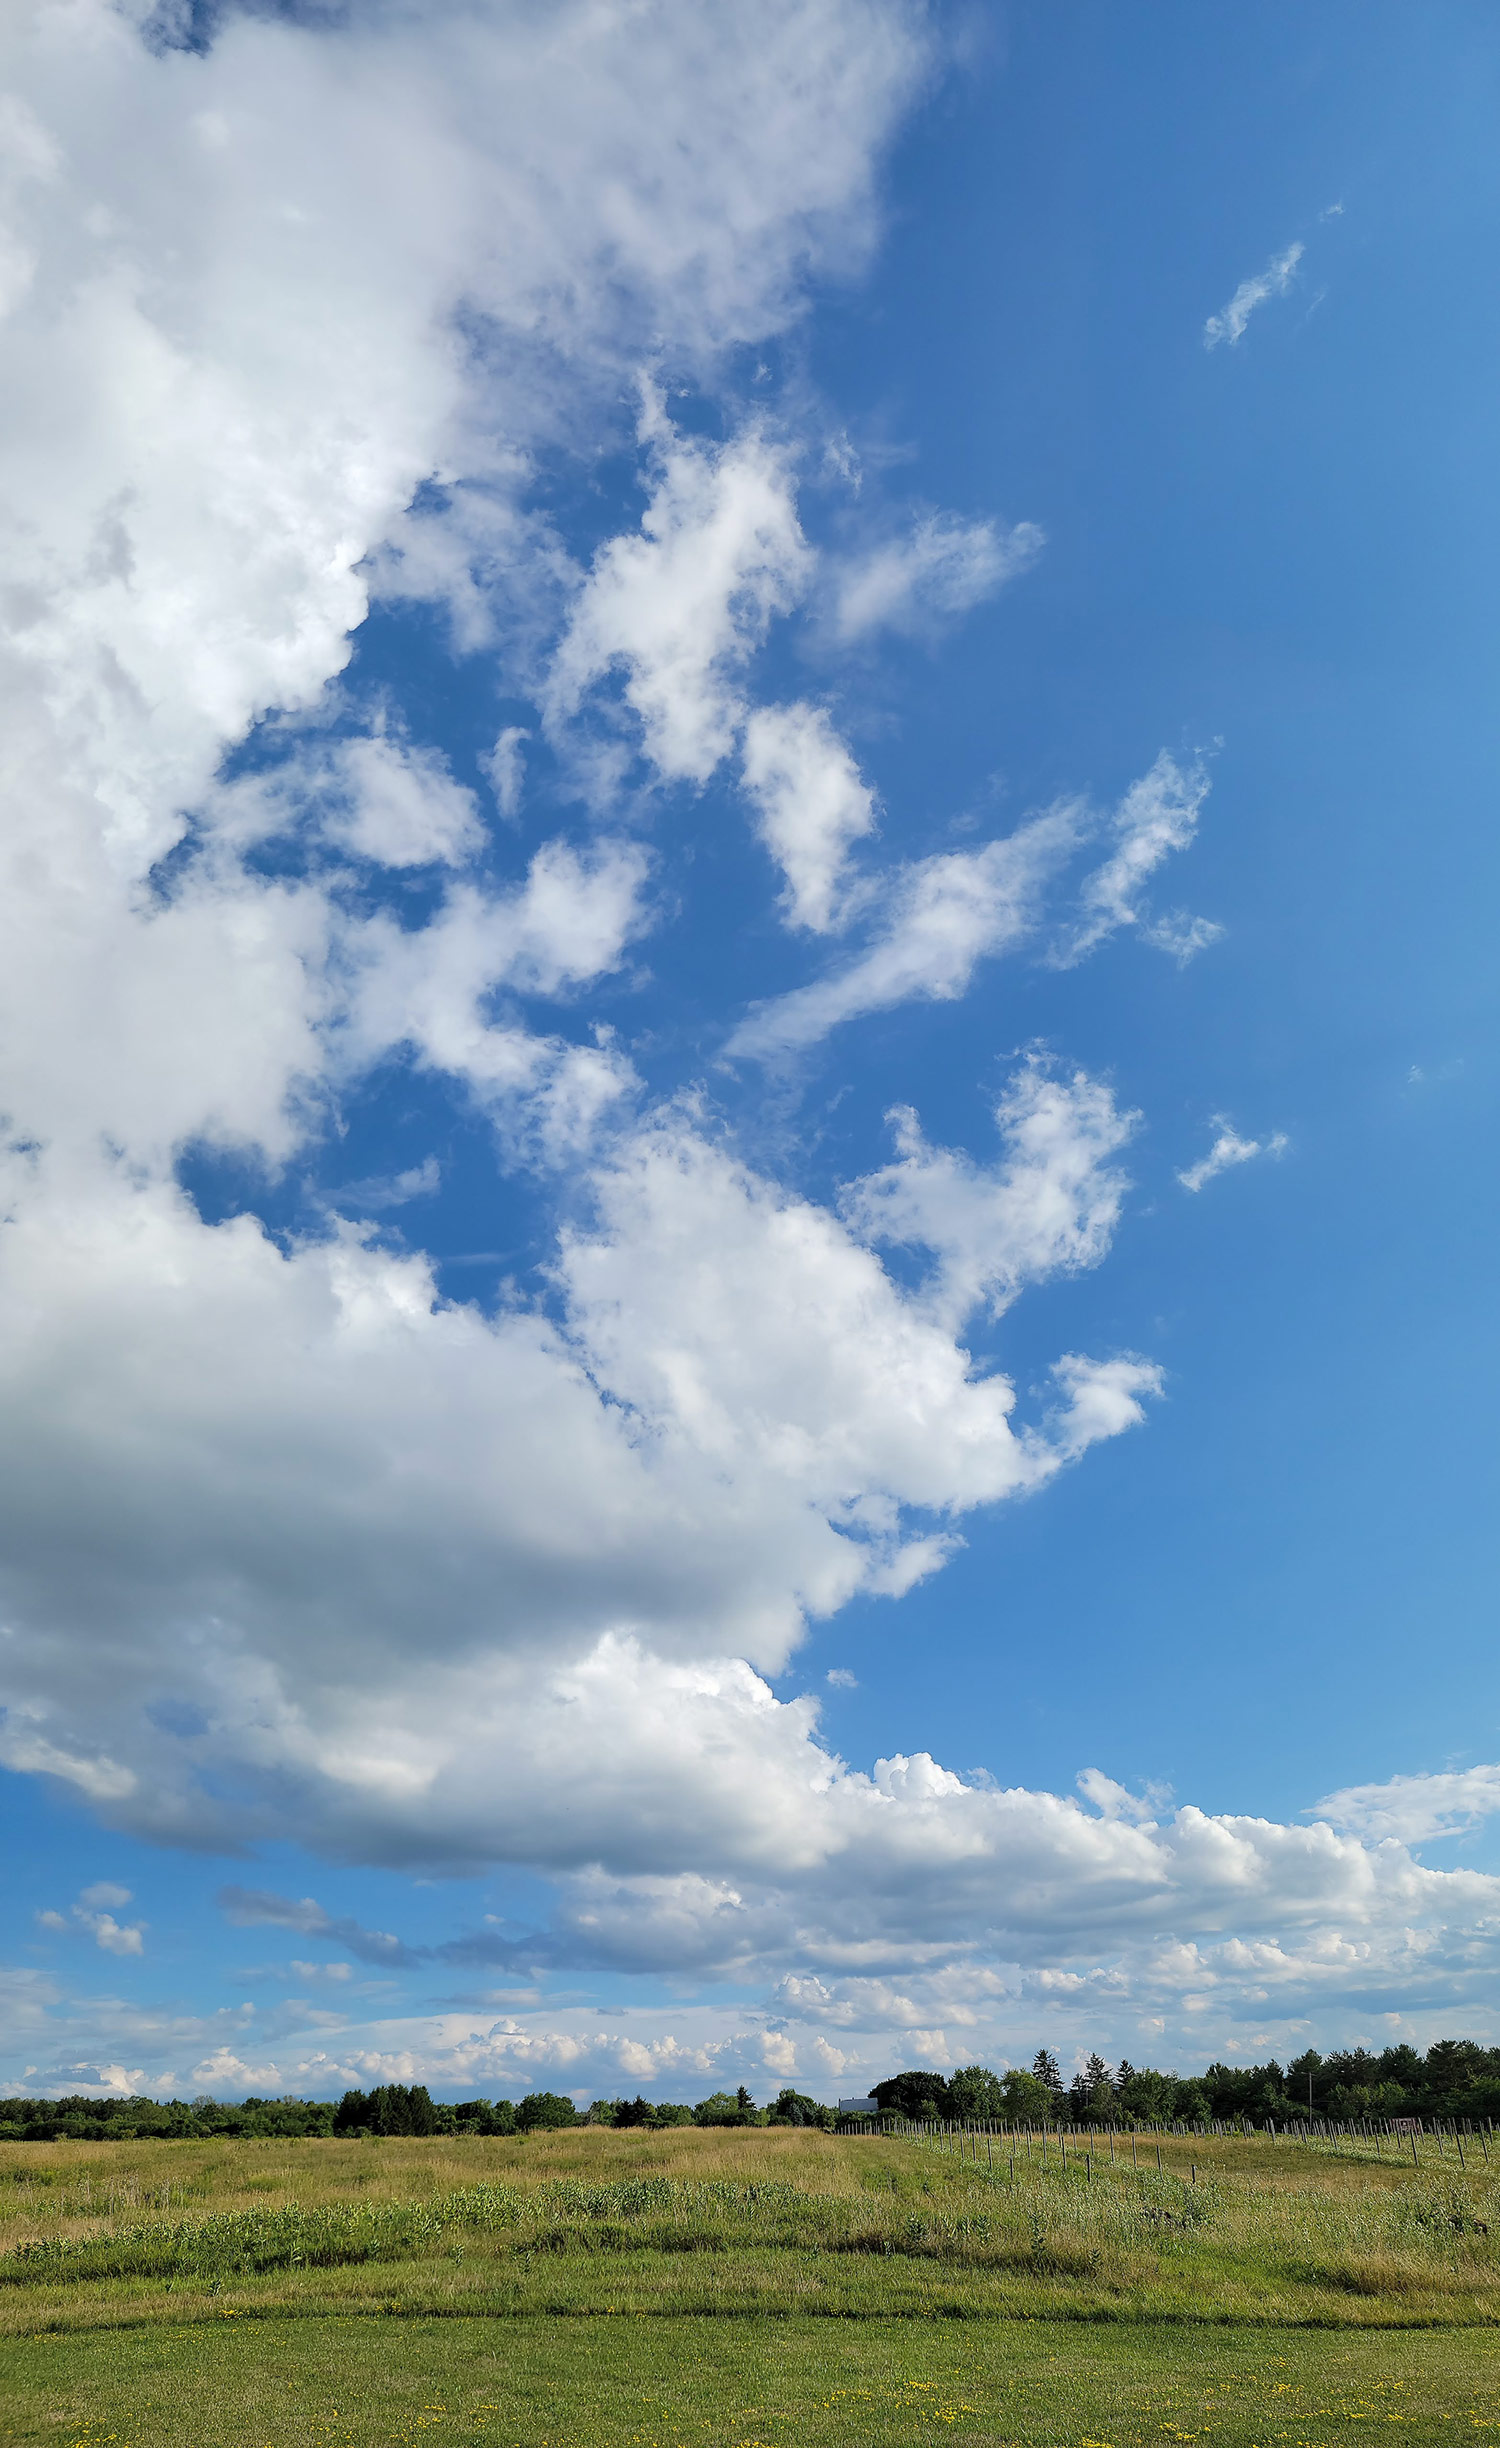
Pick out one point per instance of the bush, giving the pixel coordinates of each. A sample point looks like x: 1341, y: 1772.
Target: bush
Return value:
x: 915, y: 2095
x: 795, y: 2108
x: 544, y: 2110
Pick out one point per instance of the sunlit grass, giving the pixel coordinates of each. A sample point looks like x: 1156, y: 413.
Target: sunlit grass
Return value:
x: 770, y: 2223
x: 382, y: 2383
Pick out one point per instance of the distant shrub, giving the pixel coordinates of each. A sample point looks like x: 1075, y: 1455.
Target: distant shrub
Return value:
x: 542, y: 2110
x: 796, y: 2108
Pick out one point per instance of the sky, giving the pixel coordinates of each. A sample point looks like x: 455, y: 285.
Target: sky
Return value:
x: 748, y: 1040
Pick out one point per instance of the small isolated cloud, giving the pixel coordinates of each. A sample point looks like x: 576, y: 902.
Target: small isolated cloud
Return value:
x: 1229, y: 324
x: 941, y: 570
x: 505, y: 770
x: 842, y: 1679
x: 115, y: 1938
x: 374, y: 1196
x: 1230, y: 1149
x: 91, y: 1913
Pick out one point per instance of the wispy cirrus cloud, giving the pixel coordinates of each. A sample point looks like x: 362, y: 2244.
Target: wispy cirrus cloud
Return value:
x: 937, y: 919
x: 1157, y: 817
x: 1229, y: 1150
x: 1228, y: 325
x: 257, y: 1908
x: 935, y: 572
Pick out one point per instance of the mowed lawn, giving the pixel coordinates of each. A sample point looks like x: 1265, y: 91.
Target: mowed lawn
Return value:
x: 751, y: 2383
x: 744, y: 2288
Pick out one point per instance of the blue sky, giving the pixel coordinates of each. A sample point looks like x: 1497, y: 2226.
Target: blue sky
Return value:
x: 750, y: 1042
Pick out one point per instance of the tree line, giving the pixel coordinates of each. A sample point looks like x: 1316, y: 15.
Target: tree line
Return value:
x: 388, y: 2109
x: 1456, y: 2078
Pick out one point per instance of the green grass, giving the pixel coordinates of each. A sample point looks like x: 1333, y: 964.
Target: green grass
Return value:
x: 364, y: 2383
x: 661, y: 2290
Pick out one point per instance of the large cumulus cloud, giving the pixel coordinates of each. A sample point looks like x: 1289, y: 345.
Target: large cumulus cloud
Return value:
x: 287, y: 1541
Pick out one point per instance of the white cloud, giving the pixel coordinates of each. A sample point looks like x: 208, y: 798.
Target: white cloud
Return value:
x: 1051, y: 1205
x: 1229, y: 323
x: 935, y: 919
x: 942, y: 569
x: 1412, y: 1809
x: 377, y: 796
x: 681, y: 605
x: 813, y: 805
x: 292, y: 1546
x: 115, y: 1938
x: 940, y: 917
x: 853, y: 1912
x: 430, y: 989
x: 727, y: 1431
x: 506, y: 768
x: 89, y: 1913
x: 404, y: 807
x: 1230, y: 1149
x: 384, y: 1191
x: 1158, y: 814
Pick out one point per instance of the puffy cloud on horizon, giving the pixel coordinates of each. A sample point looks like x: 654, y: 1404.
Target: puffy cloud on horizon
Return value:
x: 903, y: 1916
x: 1417, y: 1809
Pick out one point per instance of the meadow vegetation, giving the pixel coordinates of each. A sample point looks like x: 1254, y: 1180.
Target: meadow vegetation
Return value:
x: 851, y: 2255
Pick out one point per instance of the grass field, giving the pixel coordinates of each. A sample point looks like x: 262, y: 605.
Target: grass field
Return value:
x: 750, y: 2289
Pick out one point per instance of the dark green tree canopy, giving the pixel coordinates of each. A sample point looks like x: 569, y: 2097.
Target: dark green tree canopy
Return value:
x: 391, y: 2108
x: 795, y: 2108
x: 914, y: 2095
x: 541, y: 2110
